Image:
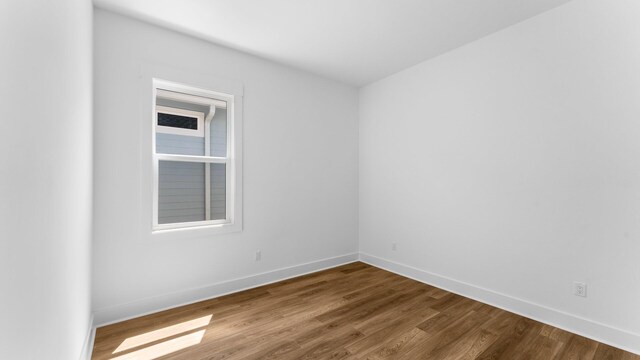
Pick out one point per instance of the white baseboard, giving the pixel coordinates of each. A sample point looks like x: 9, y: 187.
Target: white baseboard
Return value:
x: 591, y: 329
x: 87, y: 347
x: 151, y: 305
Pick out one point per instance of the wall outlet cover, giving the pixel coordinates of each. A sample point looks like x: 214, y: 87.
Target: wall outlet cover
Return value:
x: 580, y: 289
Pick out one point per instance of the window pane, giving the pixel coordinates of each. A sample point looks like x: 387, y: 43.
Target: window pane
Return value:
x: 181, y: 192
x: 177, y: 121
x: 219, y: 133
x: 179, y: 144
x: 218, y: 191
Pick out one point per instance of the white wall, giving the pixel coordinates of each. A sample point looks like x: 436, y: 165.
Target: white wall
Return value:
x: 300, y: 173
x: 45, y: 178
x: 512, y: 164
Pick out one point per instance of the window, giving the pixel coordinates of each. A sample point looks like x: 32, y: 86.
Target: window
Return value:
x: 179, y: 121
x: 193, y: 157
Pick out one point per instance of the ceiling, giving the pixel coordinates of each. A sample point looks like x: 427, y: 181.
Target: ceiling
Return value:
x: 352, y: 41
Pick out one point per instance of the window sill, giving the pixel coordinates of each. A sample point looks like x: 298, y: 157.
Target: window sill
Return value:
x: 196, y: 228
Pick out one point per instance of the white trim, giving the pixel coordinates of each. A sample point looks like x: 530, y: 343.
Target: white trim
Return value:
x: 87, y: 346
x: 189, y: 225
x: 199, y: 100
x: 192, y: 158
x: 199, y: 132
x: 233, y: 171
x: 188, y: 93
x: 575, y: 324
x: 233, y: 179
x: 154, y: 304
x: 207, y: 166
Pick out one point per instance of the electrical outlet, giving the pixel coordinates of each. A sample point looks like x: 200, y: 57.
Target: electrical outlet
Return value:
x: 394, y: 246
x: 258, y: 255
x: 580, y: 289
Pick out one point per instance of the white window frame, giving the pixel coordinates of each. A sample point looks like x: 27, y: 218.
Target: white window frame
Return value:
x: 199, y: 132
x: 179, y: 92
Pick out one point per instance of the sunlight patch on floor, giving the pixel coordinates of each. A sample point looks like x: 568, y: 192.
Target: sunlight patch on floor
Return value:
x: 164, y: 348
x: 165, y: 332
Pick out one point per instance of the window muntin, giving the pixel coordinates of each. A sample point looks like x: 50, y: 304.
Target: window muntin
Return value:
x: 193, y: 182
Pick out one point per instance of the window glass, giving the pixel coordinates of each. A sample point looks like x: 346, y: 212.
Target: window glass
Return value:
x: 218, y: 191
x: 181, y: 192
x: 219, y: 133
x: 177, y: 121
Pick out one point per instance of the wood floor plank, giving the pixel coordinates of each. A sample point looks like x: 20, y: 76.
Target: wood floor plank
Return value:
x: 473, y: 345
x: 351, y: 312
x: 449, y: 342
x: 578, y: 347
x: 504, y: 347
x: 542, y: 348
x: 606, y: 352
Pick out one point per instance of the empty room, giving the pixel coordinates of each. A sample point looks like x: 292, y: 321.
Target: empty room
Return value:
x: 306, y: 179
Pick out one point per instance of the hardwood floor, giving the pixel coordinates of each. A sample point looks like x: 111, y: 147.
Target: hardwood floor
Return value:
x: 352, y: 312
